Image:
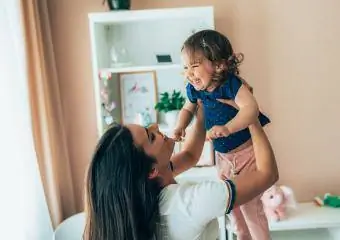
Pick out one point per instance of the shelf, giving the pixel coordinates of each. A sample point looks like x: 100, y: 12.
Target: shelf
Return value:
x: 144, y: 34
x: 142, y: 68
x: 151, y: 15
x: 307, y: 216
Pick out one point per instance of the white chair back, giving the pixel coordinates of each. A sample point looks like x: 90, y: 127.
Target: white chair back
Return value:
x: 71, y: 228
x: 222, y: 228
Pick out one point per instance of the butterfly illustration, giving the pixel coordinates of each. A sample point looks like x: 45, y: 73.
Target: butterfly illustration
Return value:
x: 135, y: 89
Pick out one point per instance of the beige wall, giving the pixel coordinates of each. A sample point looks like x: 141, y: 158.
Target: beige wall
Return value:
x: 291, y: 49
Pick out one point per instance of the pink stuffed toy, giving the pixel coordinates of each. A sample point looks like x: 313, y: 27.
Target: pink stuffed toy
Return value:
x: 276, y: 200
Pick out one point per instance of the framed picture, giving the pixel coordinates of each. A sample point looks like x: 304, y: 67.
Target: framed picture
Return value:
x: 138, y: 93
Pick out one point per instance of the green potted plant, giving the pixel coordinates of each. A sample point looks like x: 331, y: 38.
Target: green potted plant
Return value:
x: 170, y: 104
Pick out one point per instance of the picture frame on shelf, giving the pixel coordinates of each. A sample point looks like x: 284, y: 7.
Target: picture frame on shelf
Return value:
x: 138, y: 92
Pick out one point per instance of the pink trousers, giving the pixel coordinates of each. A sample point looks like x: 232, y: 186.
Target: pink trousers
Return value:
x: 249, y: 220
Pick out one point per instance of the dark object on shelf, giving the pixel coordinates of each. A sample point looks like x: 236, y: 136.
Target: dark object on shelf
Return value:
x: 118, y: 4
x: 163, y: 58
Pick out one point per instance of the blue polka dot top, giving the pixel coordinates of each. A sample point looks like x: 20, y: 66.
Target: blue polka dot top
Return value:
x: 217, y: 113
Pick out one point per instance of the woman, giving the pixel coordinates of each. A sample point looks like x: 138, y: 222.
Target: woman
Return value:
x: 131, y: 192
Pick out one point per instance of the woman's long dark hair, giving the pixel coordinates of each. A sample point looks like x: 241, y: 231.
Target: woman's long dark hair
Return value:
x: 121, y: 202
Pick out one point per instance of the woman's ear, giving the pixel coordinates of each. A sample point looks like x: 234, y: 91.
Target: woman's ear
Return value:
x: 154, y: 173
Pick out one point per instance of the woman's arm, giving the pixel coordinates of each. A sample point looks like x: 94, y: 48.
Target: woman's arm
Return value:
x: 218, y: 197
x: 252, y: 184
x: 192, y: 147
x: 185, y: 116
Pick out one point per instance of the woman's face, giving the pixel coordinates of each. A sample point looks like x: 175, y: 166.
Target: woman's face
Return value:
x: 154, y: 143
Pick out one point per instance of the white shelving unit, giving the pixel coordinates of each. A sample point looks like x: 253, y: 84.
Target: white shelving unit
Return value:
x: 143, y: 68
x: 143, y: 34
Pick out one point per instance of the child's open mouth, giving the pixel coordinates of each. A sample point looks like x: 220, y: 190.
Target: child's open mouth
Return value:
x: 196, y: 82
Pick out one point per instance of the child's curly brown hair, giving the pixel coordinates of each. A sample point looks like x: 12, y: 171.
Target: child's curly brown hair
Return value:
x: 216, y: 48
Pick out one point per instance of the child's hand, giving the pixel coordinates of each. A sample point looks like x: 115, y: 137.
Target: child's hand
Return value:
x: 217, y: 132
x: 178, y: 134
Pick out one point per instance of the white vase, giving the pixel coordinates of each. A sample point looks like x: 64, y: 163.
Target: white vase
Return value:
x: 171, y: 118
x: 143, y: 118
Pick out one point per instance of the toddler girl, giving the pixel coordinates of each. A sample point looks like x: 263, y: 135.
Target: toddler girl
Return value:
x: 211, y: 67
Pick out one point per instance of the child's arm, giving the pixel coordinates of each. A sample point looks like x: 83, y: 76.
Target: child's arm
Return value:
x: 248, y: 111
x: 185, y: 116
